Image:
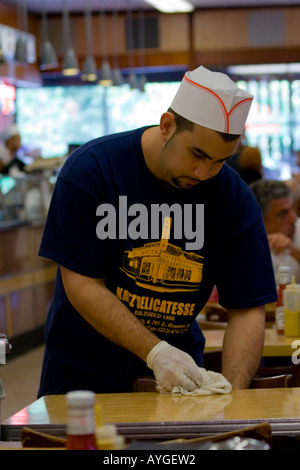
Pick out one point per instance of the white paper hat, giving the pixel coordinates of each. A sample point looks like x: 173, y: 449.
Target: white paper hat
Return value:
x: 211, y: 99
x: 10, y: 131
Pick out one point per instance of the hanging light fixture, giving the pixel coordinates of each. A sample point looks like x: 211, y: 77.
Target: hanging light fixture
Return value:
x: 142, y: 79
x: 142, y: 82
x: 70, y: 65
x: 117, y: 77
x: 105, y: 71
x: 89, y: 71
x: 2, y: 58
x: 106, y: 74
x: 172, y: 6
x: 116, y: 72
x: 21, y: 53
x: 132, y: 78
x: 48, y: 58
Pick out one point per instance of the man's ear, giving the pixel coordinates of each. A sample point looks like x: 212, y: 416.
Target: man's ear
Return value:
x: 167, y: 125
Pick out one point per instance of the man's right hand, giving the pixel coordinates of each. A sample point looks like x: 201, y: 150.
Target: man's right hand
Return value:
x: 279, y: 242
x: 173, y: 367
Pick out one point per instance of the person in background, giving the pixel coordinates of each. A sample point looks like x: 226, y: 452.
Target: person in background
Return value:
x: 129, y: 287
x: 281, y: 222
x: 247, y: 162
x: 9, y: 145
x: 294, y: 184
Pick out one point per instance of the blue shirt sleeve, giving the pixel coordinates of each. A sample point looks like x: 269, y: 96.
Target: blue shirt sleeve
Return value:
x: 70, y: 237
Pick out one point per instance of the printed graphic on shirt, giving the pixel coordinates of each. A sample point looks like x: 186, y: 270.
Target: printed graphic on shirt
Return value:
x: 159, y: 315
x: 163, y: 267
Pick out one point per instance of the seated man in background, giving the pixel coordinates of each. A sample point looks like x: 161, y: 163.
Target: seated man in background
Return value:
x: 281, y: 222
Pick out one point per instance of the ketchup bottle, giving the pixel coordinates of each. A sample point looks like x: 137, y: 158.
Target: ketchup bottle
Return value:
x: 284, y: 280
x: 81, y: 420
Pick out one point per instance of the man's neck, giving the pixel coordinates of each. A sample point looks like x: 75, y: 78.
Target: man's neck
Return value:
x: 151, y: 146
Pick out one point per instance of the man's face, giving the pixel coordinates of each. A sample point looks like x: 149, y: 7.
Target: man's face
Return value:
x: 189, y: 157
x: 281, y: 217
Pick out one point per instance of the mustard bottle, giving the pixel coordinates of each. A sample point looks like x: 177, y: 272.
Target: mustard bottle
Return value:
x: 107, y: 437
x: 291, y: 302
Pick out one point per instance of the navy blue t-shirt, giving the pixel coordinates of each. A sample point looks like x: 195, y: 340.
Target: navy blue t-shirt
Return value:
x: 160, y: 249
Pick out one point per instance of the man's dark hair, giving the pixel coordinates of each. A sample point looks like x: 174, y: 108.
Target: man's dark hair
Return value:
x: 183, y: 124
x: 266, y: 191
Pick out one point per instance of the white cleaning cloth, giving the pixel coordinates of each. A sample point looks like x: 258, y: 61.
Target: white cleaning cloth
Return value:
x: 213, y: 383
x: 177, y: 372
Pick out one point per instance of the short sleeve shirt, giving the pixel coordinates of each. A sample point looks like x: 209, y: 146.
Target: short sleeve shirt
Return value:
x: 160, y: 250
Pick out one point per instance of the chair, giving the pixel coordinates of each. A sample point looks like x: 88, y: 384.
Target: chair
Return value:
x: 211, y: 325
x: 214, y: 312
x: 145, y: 384
x: 148, y: 384
x: 276, y: 381
x: 212, y: 360
x: 271, y: 371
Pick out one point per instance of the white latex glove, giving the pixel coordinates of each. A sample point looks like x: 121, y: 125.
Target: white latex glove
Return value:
x: 173, y: 367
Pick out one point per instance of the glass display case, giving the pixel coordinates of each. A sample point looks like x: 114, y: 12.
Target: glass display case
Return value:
x: 25, y: 199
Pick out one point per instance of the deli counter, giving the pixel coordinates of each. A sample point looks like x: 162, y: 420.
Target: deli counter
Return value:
x: 26, y: 280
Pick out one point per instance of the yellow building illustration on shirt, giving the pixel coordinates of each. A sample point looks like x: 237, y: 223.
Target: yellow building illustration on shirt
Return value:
x: 162, y: 266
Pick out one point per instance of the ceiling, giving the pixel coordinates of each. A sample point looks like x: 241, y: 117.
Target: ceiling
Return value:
x: 56, y: 6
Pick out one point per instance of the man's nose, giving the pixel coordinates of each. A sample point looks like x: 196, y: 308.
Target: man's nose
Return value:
x: 292, y: 216
x: 204, y: 170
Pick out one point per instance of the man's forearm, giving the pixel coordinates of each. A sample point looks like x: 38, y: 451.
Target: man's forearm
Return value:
x: 107, y: 314
x: 243, y: 344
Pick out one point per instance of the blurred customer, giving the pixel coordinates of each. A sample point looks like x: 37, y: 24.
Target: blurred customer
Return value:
x: 247, y: 162
x: 281, y: 222
x: 10, y: 143
x: 294, y: 185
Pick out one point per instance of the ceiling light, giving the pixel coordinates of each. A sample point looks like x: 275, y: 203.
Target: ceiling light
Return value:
x: 2, y: 58
x: 21, y: 45
x: 171, y: 6
x: 48, y: 58
x: 105, y: 75
x: 21, y: 50
x: 116, y: 72
x: 132, y: 80
x: 89, y: 71
x: 117, y: 77
x: 259, y: 69
x: 70, y: 66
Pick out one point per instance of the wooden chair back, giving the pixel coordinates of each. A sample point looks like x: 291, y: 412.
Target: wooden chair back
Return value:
x: 276, y: 381
x: 148, y: 384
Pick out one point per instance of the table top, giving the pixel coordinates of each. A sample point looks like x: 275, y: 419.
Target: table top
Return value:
x: 155, y: 415
x: 274, y: 345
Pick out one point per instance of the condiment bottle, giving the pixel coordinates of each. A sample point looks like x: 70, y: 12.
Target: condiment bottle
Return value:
x: 291, y: 299
x: 81, y: 420
x: 284, y: 280
x: 107, y: 437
